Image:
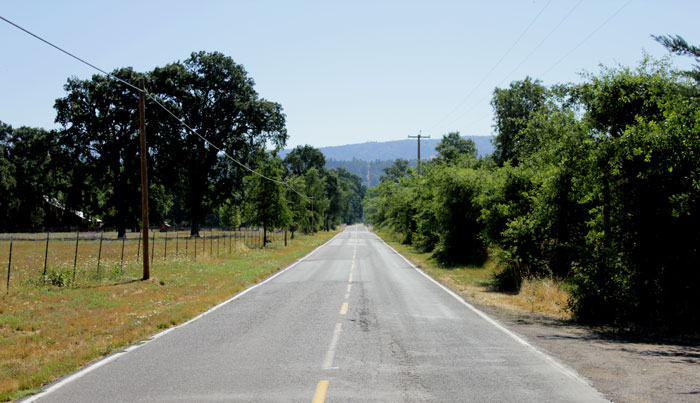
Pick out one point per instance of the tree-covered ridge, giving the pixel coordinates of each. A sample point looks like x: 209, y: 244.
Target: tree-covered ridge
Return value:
x: 596, y: 184
x: 391, y: 150
x: 89, y: 171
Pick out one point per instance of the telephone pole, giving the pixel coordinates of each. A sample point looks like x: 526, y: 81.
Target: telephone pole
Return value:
x: 144, y: 178
x: 419, y: 136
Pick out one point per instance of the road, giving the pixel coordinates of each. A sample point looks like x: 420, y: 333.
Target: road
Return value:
x: 352, y: 322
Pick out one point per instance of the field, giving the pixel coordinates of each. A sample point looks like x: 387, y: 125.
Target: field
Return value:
x: 47, y: 331
x: 80, y: 258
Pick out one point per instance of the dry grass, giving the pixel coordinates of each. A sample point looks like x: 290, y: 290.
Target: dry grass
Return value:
x: 48, y: 331
x: 542, y: 296
x: 29, y: 252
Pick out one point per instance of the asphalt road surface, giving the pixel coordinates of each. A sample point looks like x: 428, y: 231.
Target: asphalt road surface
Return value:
x: 352, y: 322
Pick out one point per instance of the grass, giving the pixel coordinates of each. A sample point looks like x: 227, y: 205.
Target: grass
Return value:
x: 542, y: 296
x: 99, y: 259
x: 49, y: 331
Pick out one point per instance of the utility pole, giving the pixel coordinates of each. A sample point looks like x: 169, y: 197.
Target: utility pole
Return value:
x: 419, y: 136
x: 144, y: 178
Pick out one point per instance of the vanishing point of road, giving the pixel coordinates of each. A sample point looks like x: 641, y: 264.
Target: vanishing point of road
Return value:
x: 351, y: 322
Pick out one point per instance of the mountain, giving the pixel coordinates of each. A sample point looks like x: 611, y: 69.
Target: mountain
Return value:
x: 391, y: 150
x: 368, y: 160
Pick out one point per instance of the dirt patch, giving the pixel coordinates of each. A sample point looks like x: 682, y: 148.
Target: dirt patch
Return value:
x: 623, y: 368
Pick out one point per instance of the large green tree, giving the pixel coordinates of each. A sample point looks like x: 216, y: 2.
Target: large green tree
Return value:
x: 216, y: 97
x: 512, y: 108
x: 100, y: 145
x: 31, y: 177
x: 302, y: 158
x: 265, y: 202
x: 453, y: 147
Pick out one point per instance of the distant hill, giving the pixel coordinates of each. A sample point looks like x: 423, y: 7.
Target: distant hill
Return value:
x: 369, y: 159
x: 369, y: 171
x: 391, y: 150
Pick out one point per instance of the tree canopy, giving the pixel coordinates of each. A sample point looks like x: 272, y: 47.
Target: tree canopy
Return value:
x: 592, y: 183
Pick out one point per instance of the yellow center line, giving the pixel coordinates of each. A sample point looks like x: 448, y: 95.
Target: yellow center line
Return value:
x: 321, y: 389
x: 350, y: 279
x: 344, y: 308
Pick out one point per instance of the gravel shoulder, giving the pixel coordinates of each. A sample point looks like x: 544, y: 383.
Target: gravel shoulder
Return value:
x: 623, y: 368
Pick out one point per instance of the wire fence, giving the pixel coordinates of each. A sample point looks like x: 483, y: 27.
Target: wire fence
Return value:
x: 80, y: 258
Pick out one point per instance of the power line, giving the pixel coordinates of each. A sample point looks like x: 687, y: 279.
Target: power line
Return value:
x: 466, y: 98
x: 587, y: 37
x: 598, y: 28
x: 154, y: 99
x: 561, y: 21
x: 70, y: 54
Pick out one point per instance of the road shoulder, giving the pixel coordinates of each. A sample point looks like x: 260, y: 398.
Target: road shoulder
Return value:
x: 625, y: 368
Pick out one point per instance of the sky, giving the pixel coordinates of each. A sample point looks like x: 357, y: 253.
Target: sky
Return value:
x: 344, y: 72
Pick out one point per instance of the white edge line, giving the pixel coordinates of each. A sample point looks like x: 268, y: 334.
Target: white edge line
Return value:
x: 566, y: 370
x: 100, y: 362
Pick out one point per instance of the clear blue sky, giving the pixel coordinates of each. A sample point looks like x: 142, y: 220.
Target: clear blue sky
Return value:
x: 344, y: 72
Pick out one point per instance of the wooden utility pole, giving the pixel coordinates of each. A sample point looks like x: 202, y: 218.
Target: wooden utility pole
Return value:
x: 419, y: 136
x: 144, y: 179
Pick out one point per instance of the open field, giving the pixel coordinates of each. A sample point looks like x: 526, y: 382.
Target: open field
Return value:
x: 543, y: 296
x: 79, y: 258
x: 49, y: 331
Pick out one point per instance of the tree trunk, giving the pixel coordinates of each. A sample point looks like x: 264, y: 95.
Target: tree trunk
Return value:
x: 264, y: 236
x: 194, y: 228
x: 121, y: 231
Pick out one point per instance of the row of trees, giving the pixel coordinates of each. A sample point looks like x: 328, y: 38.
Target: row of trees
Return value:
x: 312, y: 196
x: 91, y: 165
x: 597, y: 184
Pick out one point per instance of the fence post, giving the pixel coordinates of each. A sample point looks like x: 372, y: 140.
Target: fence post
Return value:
x: 218, y: 244
x: 165, y: 253
x: 121, y: 262
x: 9, y: 266
x: 46, y: 255
x: 204, y: 243
x: 211, y: 241
x: 138, y: 249
x: 177, y: 247
x: 75, y: 259
x: 187, y: 242
x: 99, y: 255
x: 285, y: 237
x: 153, y: 247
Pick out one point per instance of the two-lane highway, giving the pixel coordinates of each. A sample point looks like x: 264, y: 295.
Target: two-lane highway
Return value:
x: 352, y: 322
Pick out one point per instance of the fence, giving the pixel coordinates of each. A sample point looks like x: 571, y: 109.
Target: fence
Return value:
x: 64, y: 259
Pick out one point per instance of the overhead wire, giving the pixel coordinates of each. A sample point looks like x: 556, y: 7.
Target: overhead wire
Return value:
x: 157, y: 102
x: 526, y: 58
x: 598, y: 28
x: 587, y: 37
x: 493, y: 68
